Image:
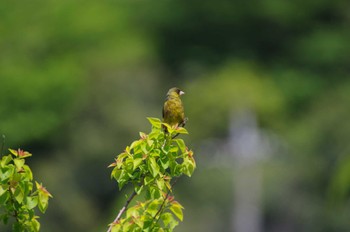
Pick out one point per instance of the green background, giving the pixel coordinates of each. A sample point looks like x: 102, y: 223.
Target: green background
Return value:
x: 79, y: 78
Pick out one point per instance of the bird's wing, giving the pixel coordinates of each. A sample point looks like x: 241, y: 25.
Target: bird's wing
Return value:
x: 164, y: 113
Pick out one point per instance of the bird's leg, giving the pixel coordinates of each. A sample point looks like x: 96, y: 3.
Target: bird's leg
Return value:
x: 181, y: 124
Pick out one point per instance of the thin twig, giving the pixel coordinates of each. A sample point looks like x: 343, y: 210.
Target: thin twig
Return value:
x: 125, y: 207
x: 163, y: 203
x: 15, y: 211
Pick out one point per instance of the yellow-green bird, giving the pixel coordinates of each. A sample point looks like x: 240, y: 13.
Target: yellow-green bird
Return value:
x: 173, y: 109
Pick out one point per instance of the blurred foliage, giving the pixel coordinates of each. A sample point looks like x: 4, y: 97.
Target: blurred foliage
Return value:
x: 17, y: 196
x: 235, y: 86
x: 78, y: 78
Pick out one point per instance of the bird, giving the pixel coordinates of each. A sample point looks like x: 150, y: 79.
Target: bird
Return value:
x: 173, y: 109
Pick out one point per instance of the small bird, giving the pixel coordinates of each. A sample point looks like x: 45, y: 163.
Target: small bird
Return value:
x: 173, y: 110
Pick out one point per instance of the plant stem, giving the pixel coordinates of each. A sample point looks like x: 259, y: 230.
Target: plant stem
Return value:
x: 125, y: 207
x: 15, y: 212
x: 163, y: 203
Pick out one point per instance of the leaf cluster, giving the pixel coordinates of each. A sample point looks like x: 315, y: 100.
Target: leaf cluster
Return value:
x: 18, y: 197
x: 152, y: 164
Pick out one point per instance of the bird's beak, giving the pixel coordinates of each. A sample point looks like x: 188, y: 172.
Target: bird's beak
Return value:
x: 181, y: 92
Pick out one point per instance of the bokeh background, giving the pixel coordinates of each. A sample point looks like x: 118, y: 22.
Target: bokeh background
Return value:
x: 267, y: 95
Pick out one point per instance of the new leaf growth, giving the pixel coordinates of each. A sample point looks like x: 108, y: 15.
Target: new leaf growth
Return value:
x: 152, y: 165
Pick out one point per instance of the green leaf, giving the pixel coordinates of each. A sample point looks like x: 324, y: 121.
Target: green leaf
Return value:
x: 147, y: 223
x: 133, y: 211
x: 143, y: 135
x: 35, y: 225
x: 153, y: 166
x: 181, y: 144
x: 43, y: 203
x: 116, y: 227
x: 144, y: 148
x: 175, y: 169
x: 20, y: 153
x: 4, y: 198
x: 31, y: 202
x: 150, y: 142
x: 153, y: 207
x: 160, y: 184
x: 164, y: 161
x: 8, y: 173
x: 176, y: 208
x: 136, y: 144
x: 5, y: 160
x: 154, y: 192
x: 169, y: 128
x: 174, y: 149
x: 122, y: 179
x: 169, y: 220
x: 181, y: 130
x: 138, y: 189
x: 28, y: 172
x: 3, y: 190
x: 156, y: 134
x: 13, y: 152
x: 19, y: 163
x: 136, y: 163
x: 116, y: 173
x: 155, y: 122
x: 18, y: 194
x: 43, y: 197
x: 188, y: 166
x: 148, y: 180
x: 129, y: 164
x: 155, y: 153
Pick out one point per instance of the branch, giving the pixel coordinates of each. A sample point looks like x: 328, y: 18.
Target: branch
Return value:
x: 125, y: 207
x: 166, y: 197
x: 15, y: 209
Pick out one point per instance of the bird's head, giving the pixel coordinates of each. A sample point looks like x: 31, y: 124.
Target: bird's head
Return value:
x: 175, y: 92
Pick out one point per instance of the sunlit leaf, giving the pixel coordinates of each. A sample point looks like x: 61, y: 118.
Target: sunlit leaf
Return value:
x: 137, y: 162
x: 19, y: 163
x: 18, y: 195
x: 169, y: 220
x: 8, y: 173
x: 155, y: 122
x: 169, y: 128
x: 2, y: 190
x: 153, y: 207
x: 5, y: 160
x: 29, y: 174
x: 153, y: 166
x: 143, y: 135
x: 138, y: 189
x: 164, y: 161
x: 176, y: 208
x: 43, y: 197
x: 136, y: 143
x: 160, y: 183
x: 20, y: 153
x: 35, y: 224
x: 116, y: 227
x: 181, y: 144
x: 181, y: 130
